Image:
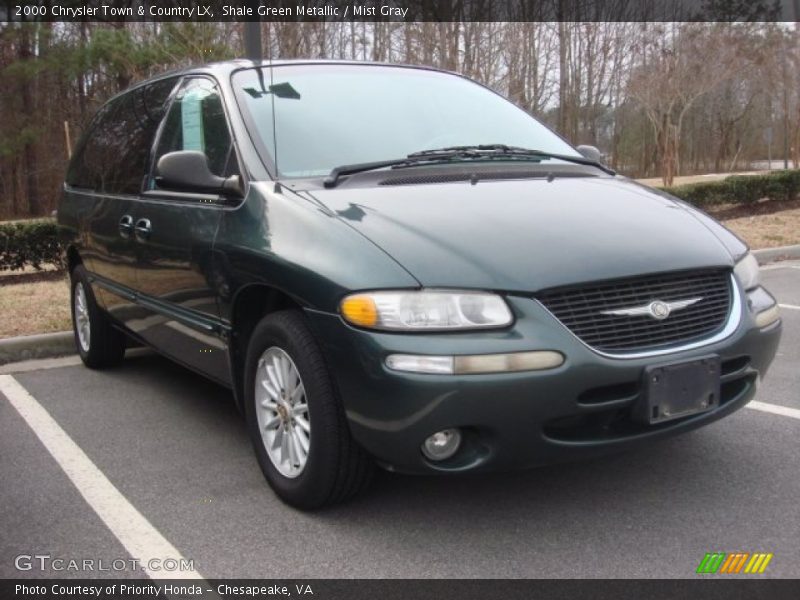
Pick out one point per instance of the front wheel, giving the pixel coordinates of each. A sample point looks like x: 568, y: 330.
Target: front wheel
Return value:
x: 295, y: 419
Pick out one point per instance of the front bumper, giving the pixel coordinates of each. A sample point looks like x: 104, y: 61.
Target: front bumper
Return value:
x: 517, y: 420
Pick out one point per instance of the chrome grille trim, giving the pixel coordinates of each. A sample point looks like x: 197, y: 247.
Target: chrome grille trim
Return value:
x: 732, y: 323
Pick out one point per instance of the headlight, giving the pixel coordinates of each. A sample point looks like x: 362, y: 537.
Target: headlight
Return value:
x: 426, y: 310
x: 763, y: 306
x: 746, y: 271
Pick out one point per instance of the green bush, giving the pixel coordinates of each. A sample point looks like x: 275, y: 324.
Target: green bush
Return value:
x: 740, y: 189
x: 29, y: 244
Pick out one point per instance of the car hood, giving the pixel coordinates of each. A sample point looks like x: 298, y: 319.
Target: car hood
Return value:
x: 528, y: 235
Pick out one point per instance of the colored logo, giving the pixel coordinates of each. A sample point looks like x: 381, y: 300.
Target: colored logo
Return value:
x: 734, y: 562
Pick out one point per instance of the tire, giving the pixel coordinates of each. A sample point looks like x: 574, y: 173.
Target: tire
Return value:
x: 334, y: 468
x: 100, y: 345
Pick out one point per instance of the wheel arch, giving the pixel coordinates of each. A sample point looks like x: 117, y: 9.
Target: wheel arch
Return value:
x: 73, y: 258
x: 251, y: 304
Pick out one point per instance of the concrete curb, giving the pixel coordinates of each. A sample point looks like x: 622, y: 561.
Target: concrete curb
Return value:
x: 27, y: 347
x: 768, y: 255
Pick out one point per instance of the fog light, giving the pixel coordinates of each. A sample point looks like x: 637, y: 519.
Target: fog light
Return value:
x: 442, y: 444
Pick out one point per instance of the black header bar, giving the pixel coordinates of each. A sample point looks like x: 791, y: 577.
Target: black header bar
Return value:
x: 399, y: 10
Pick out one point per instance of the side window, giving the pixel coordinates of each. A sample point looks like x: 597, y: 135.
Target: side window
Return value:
x: 114, y: 155
x: 86, y: 167
x: 196, y: 121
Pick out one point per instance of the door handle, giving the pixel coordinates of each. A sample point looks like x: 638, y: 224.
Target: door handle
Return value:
x: 143, y: 229
x: 126, y: 226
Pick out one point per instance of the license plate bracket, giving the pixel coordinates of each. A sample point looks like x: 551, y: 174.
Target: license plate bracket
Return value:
x: 679, y: 389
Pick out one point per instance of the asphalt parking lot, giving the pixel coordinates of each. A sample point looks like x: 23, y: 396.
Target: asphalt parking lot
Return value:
x: 176, y: 450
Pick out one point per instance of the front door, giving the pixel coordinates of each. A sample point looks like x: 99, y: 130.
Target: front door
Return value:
x: 175, y: 234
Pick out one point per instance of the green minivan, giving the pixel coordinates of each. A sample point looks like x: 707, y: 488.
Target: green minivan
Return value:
x: 395, y: 266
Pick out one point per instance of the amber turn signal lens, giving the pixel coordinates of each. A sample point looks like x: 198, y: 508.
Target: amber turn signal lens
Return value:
x: 360, y: 311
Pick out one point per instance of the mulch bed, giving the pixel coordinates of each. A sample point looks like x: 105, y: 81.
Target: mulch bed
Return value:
x: 7, y: 278
x: 764, y: 207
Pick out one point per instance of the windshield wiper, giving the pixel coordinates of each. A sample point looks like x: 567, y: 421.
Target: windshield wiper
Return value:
x: 411, y: 160
x: 475, y: 149
x: 459, y: 153
x: 503, y: 151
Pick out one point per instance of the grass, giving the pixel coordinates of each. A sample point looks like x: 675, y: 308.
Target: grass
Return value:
x: 764, y: 224
x: 29, y: 308
x: 769, y: 230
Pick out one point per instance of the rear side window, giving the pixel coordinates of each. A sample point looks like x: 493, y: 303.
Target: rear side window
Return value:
x: 196, y: 121
x: 114, y: 155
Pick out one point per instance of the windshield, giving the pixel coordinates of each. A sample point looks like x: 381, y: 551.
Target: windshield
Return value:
x: 327, y: 116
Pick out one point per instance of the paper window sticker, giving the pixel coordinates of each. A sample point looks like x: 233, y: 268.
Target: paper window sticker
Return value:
x: 192, y: 120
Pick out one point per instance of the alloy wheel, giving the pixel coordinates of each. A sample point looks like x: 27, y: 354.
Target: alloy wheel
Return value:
x: 282, y: 412
x: 82, y: 322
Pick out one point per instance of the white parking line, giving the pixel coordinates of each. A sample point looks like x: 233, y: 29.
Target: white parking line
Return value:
x: 40, y: 364
x: 132, y: 529
x: 775, y: 409
x: 791, y: 306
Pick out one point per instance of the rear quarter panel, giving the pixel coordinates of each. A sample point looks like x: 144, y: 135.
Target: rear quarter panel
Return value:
x: 74, y: 209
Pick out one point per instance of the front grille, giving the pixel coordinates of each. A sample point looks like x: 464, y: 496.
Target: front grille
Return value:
x: 581, y: 310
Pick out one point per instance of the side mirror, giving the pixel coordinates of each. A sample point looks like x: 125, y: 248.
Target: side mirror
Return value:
x: 590, y: 152
x: 188, y: 171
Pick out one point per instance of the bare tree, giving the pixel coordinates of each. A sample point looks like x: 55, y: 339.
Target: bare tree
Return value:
x: 678, y: 70
x: 655, y: 97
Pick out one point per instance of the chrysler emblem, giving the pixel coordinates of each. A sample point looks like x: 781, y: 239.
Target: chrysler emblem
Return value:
x: 657, y: 309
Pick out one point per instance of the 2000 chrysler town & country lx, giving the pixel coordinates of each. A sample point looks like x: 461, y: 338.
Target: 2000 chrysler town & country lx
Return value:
x: 394, y: 265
